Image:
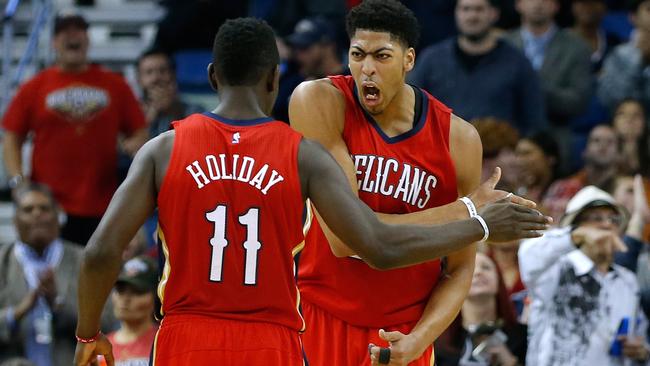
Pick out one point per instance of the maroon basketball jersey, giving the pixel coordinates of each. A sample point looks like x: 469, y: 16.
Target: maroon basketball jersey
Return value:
x: 230, y: 213
x: 406, y: 173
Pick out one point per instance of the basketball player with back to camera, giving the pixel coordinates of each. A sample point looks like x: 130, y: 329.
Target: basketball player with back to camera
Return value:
x: 407, y: 157
x: 230, y: 187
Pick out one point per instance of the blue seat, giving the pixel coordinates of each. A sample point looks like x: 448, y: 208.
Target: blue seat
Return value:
x: 191, y: 70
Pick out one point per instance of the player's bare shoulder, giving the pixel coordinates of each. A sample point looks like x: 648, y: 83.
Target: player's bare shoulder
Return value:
x: 158, y: 151
x: 463, y: 136
x: 316, y: 105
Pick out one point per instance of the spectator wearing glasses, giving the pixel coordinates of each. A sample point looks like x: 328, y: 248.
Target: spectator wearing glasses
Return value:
x: 580, y: 296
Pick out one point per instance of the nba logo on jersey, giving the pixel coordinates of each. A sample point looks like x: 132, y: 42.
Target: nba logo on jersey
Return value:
x: 235, y: 138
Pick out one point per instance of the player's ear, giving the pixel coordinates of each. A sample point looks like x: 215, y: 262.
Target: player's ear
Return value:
x: 409, y: 59
x: 212, y: 77
x: 273, y: 79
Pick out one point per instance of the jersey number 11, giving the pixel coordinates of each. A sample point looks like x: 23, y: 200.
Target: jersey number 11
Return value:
x: 219, y: 243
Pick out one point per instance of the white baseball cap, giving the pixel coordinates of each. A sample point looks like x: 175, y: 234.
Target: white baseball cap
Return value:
x: 589, y: 197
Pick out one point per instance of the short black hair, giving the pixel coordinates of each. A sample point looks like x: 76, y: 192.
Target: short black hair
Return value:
x: 23, y: 190
x: 244, y: 50
x: 389, y: 16
x: 156, y: 52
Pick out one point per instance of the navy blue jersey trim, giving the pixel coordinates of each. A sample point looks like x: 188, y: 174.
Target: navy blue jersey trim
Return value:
x: 419, y: 117
x: 238, y: 122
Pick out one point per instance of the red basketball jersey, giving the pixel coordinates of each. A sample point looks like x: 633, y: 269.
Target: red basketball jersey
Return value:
x: 230, y: 216
x: 406, y: 173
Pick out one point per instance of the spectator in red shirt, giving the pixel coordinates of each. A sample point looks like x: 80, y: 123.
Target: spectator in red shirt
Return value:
x: 76, y: 112
x: 133, y: 306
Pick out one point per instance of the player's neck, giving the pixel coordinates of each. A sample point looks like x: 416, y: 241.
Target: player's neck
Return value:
x: 130, y: 331
x: 479, y: 309
x: 399, y: 111
x: 240, y: 103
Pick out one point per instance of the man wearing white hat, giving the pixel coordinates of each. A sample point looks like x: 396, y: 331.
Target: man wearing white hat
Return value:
x: 579, y: 296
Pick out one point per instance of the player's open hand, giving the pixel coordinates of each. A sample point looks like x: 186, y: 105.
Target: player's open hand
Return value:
x: 487, y: 193
x: 509, y: 221
x: 403, y: 349
x: 86, y: 353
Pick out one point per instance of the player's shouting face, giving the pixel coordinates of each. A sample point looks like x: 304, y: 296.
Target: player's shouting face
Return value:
x: 378, y: 63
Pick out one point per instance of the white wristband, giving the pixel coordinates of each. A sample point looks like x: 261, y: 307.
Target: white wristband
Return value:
x: 470, y: 206
x: 486, y: 231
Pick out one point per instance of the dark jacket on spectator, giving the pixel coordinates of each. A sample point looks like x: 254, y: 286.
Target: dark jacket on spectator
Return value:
x: 500, y: 83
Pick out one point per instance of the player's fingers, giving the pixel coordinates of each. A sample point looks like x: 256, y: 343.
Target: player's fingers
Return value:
x: 110, y: 360
x: 521, y: 201
x: 494, y: 178
x: 390, y: 336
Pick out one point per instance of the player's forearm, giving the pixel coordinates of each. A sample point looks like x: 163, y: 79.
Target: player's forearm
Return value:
x: 450, y: 291
x: 12, y: 145
x: 411, y: 245
x: 432, y: 216
x: 99, y: 268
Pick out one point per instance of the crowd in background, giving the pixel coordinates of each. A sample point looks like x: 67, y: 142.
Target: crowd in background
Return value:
x: 560, y: 103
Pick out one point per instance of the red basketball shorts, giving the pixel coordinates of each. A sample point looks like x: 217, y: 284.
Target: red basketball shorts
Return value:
x: 198, y: 340
x: 329, y: 341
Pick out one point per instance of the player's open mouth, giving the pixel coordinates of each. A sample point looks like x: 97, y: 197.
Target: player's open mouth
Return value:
x: 370, y: 94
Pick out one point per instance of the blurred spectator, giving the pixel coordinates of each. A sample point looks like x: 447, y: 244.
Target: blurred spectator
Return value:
x: 137, y: 246
x: 314, y: 47
x: 625, y: 72
x: 38, y: 284
x: 17, y: 361
x: 537, y: 158
x: 479, y: 75
x: 601, y: 156
x: 283, y: 15
x: 580, y: 297
x: 133, y: 305
x: 629, y: 121
x: 629, y: 192
x: 290, y: 78
x: 192, y: 24
x: 486, y: 331
x: 562, y: 60
x: 436, y: 18
x: 505, y: 256
x: 589, y: 15
x: 499, y: 140
x: 76, y: 112
x: 161, y: 102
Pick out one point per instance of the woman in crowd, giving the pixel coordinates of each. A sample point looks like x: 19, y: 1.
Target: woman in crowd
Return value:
x: 499, y: 140
x: 486, y: 331
x: 629, y: 121
x: 537, y: 163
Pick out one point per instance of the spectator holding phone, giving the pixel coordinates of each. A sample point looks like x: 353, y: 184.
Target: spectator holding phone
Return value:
x: 486, y: 332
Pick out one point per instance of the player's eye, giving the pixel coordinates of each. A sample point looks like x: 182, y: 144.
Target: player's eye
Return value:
x: 355, y: 54
x: 383, y: 56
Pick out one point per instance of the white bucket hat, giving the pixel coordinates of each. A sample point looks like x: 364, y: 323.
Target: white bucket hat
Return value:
x: 588, y: 197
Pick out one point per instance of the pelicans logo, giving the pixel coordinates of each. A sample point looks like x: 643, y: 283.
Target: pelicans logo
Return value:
x: 77, y: 103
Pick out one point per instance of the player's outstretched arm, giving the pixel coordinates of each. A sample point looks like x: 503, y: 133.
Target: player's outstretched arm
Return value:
x: 132, y: 203
x: 386, y: 246
x: 317, y: 110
